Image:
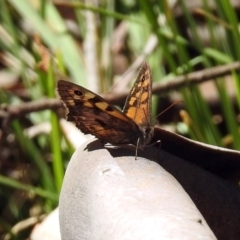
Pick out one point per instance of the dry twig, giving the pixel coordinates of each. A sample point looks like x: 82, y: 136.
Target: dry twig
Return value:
x: 10, y: 112
x: 181, y: 81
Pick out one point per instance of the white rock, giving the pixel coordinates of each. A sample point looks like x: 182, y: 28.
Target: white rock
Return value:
x: 122, y: 198
x: 48, y: 229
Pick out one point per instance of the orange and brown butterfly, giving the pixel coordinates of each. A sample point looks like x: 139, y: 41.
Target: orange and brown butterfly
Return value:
x: 93, y: 115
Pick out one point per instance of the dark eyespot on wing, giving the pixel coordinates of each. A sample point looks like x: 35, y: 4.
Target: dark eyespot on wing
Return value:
x: 79, y: 93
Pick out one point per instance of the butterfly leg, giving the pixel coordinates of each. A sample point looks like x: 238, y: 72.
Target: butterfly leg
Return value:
x: 158, y: 142
x: 137, y: 148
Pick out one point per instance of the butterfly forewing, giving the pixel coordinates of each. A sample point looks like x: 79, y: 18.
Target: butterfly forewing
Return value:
x: 138, y: 102
x: 93, y: 115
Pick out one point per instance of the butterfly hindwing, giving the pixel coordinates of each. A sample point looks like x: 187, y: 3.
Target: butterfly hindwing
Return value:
x: 93, y: 115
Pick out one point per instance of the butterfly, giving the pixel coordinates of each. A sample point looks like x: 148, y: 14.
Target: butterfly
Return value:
x: 93, y: 115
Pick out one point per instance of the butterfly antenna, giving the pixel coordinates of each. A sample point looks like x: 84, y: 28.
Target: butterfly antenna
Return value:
x: 137, y: 148
x: 166, y: 110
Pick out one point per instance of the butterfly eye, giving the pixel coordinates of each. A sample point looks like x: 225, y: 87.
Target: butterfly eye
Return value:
x: 143, y: 78
x: 77, y: 92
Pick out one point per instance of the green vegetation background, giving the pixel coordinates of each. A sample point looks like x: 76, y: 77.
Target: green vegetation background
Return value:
x: 31, y: 179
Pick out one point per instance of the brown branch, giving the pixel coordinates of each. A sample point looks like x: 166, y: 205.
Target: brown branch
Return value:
x: 196, y: 77
x: 11, y: 112
x: 182, y: 81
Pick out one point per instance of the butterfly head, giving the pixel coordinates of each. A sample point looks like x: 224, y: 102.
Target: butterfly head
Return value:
x: 147, y: 135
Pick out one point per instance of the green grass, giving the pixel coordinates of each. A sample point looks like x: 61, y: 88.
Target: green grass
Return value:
x: 40, y: 161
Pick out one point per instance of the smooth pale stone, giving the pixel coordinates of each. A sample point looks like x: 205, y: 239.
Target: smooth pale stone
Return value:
x: 48, y: 229
x: 122, y: 198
